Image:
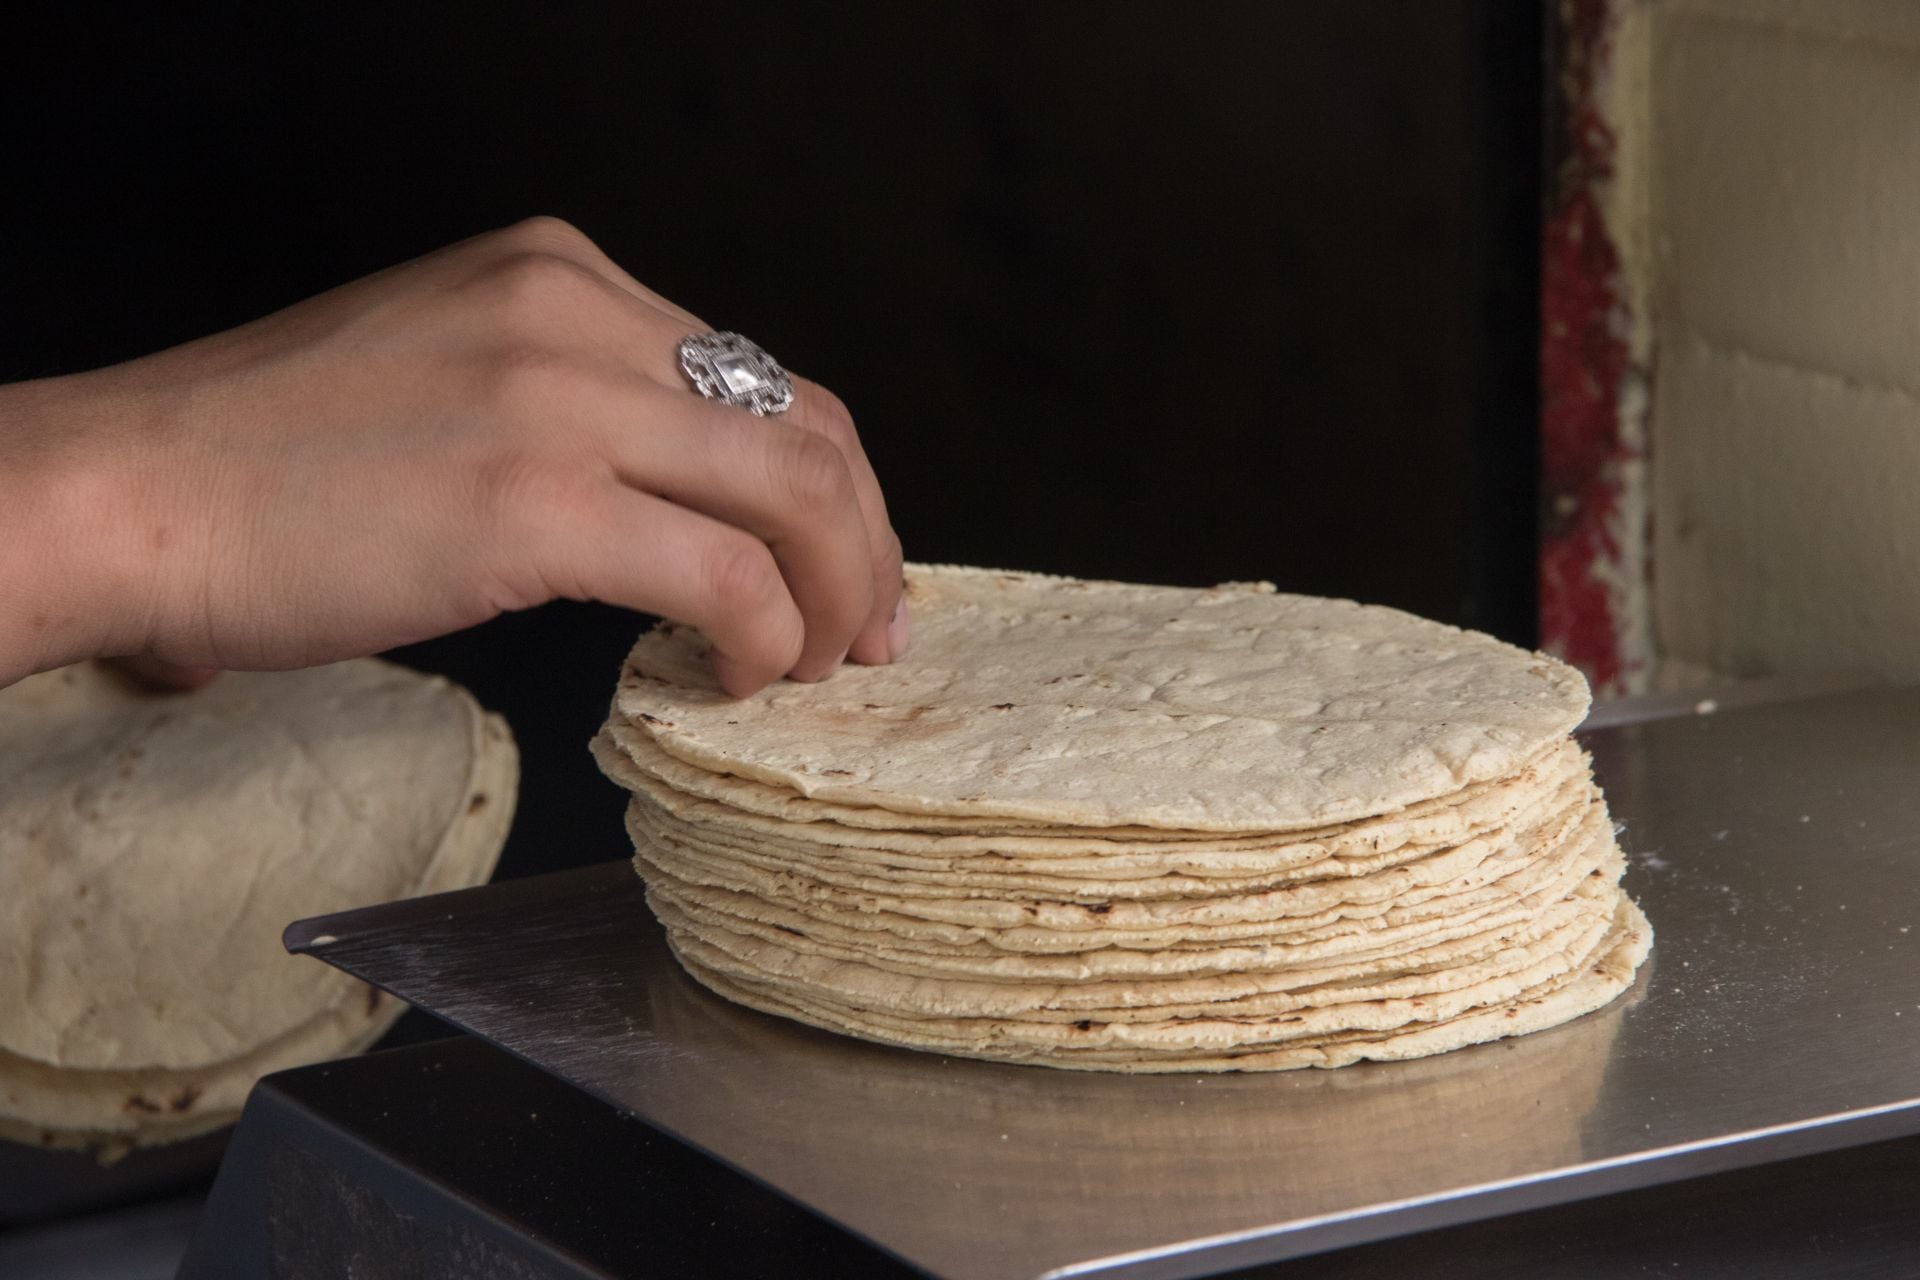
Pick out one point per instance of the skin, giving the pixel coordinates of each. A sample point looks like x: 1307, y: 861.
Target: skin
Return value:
x: 495, y: 425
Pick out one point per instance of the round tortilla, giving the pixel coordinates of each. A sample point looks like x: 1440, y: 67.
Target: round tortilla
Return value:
x: 1453, y: 877
x: 1120, y: 828
x: 111, y: 1111
x: 797, y: 881
x: 1095, y: 704
x: 154, y: 846
x: 1397, y: 1029
x: 718, y: 803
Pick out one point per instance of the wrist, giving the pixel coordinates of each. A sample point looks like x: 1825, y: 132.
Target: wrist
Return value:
x: 76, y: 572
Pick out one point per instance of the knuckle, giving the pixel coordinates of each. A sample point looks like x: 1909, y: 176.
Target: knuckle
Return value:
x: 532, y: 287
x: 740, y: 577
x: 828, y: 415
x: 812, y: 473
x: 544, y: 231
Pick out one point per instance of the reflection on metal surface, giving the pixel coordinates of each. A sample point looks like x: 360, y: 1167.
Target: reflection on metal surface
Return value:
x: 1776, y: 849
x: 1005, y: 1153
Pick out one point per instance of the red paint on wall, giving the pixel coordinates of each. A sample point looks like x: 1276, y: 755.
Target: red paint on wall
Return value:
x: 1584, y: 362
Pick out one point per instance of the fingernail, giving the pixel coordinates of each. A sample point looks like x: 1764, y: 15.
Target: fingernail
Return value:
x: 899, y: 630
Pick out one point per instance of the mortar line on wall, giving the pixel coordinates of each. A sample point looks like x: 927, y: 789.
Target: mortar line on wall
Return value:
x: 1729, y: 348
x: 1708, y: 12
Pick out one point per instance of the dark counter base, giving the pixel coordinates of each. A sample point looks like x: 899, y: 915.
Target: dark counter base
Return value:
x: 454, y: 1159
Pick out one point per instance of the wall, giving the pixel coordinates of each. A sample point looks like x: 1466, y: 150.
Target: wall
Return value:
x: 1785, y: 169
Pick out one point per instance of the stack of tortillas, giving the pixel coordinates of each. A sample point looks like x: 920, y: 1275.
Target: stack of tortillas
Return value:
x: 153, y: 847
x: 1125, y: 828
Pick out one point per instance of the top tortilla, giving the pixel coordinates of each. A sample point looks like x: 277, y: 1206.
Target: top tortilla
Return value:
x: 152, y: 847
x: 1099, y: 704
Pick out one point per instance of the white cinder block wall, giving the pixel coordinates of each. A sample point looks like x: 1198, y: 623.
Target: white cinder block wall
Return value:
x: 1782, y: 153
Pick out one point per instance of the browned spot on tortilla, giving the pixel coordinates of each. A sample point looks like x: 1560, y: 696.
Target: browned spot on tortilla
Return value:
x: 83, y: 891
x: 838, y: 773
x: 649, y: 719
x: 1085, y: 1024
x: 1003, y: 706
x: 373, y: 999
x: 139, y: 1102
x: 188, y: 1095
x: 478, y: 802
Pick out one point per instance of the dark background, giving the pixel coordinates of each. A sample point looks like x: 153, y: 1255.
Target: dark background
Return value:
x: 1169, y: 292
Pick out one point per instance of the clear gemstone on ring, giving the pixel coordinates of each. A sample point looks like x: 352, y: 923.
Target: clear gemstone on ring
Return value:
x: 735, y: 371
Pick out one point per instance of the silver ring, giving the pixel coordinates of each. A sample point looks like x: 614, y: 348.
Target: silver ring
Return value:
x: 728, y: 368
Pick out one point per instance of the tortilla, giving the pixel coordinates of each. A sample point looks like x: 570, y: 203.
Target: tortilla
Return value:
x: 1607, y: 972
x: 1100, y: 704
x: 637, y: 763
x: 158, y: 844
x: 1118, y: 828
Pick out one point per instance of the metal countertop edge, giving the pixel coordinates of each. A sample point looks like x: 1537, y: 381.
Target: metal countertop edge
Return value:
x: 311, y: 935
x: 1511, y: 1195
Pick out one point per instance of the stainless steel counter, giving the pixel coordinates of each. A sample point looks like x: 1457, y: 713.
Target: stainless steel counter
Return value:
x: 1776, y: 849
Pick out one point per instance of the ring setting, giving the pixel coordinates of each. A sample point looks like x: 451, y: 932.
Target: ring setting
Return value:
x: 733, y: 370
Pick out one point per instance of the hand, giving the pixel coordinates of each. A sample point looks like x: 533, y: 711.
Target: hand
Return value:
x: 487, y: 428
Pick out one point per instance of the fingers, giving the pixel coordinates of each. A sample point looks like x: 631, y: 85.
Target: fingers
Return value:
x: 791, y: 489
x: 884, y: 634
x: 636, y: 550
x: 760, y: 475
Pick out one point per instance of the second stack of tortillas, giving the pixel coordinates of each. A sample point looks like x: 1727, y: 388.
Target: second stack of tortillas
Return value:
x: 153, y: 847
x: 1127, y: 828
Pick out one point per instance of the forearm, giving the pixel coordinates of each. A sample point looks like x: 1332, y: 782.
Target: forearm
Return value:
x: 74, y: 581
